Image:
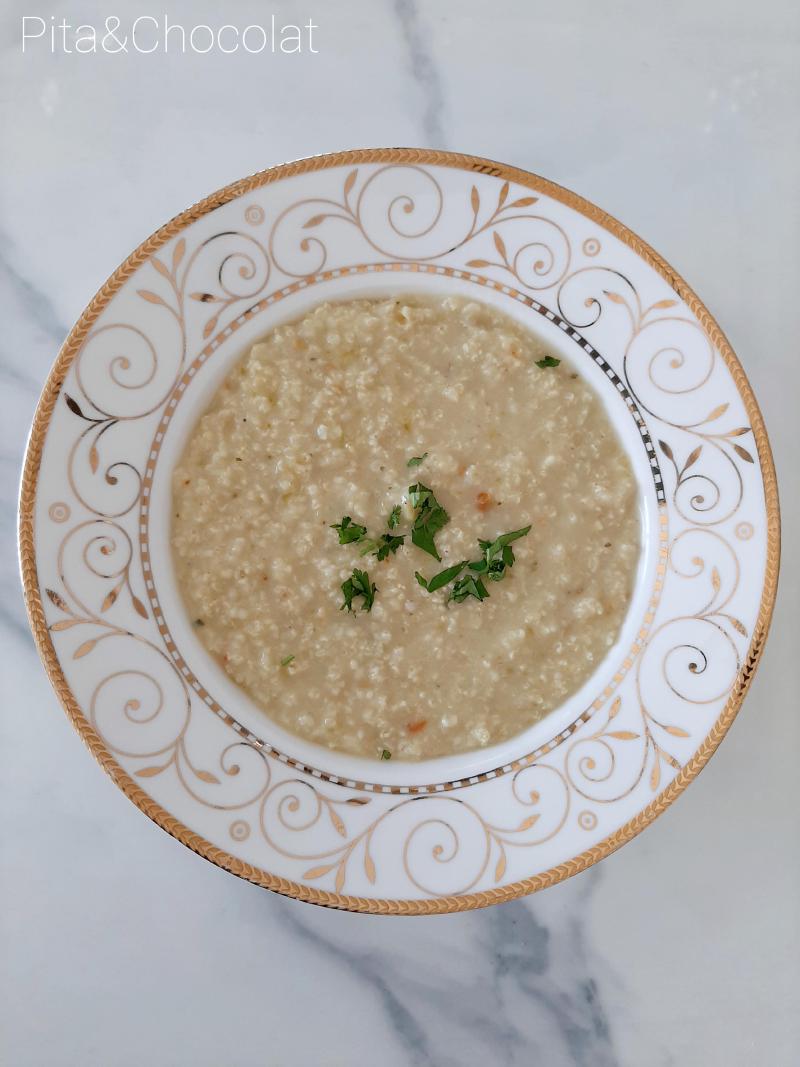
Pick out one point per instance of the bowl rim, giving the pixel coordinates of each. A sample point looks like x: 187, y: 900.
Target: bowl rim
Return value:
x: 41, y: 634
x: 426, y: 775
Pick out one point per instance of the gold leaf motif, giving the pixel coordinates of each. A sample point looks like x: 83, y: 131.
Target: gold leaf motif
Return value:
x: 475, y: 200
x: 207, y: 776
x: 500, y: 869
x: 94, y: 459
x: 74, y: 407
x: 666, y: 450
x: 623, y: 735
x: 349, y: 182
x: 177, y: 254
x: 655, y: 774
x: 524, y: 201
x: 738, y: 431
x: 737, y: 625
x: 318, y: 872
x: 499, y: 244
x: 369, y: 867
x: 64, y: 624
x: 672, y: 761
x: 616, y: 704
x: 716, y: 581
x: 315, y: 220
x: 151, y: 298
x: 151, y: 772
x: 337, y: 822
x: 615, y: 298
x: 204, y: 298
x: 478, y: 263
x: 692, y: 458
x: 57, y: 599
x: 664, y: 304
x: 339, y: 884
x: 357, y: 800
x: 743, y: 453
x: 109, y: 600
x: 84, y: 649
x: 138, y: 606
x: 503, y: 195
x: 716, y: 413
x: 677, y: 731
x: 526, y: 824
x: 208, y: 329
x: 162, y: 270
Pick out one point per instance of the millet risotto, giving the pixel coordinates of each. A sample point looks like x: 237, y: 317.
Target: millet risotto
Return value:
x: 405, y: 528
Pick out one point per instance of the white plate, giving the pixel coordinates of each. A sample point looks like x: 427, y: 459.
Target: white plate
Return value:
x: 185, y: 744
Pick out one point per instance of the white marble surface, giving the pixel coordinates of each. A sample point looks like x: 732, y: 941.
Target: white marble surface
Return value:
x: 120, y: 947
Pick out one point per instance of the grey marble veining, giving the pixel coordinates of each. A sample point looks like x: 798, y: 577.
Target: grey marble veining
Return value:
x: 121, y: 947
x: 424, y: 72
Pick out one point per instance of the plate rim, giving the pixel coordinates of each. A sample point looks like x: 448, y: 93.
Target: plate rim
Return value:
x: 46, y: 649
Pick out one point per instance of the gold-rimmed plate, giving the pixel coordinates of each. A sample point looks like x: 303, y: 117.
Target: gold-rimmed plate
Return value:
x: 195, y: 755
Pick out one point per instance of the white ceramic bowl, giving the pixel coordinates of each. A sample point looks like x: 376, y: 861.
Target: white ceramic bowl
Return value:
x: 185, y: 743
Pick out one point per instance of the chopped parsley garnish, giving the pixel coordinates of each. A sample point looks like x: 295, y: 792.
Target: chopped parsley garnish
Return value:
x: 286, y: 661
x: 497, y: 555
x: 430, y: 518
x: 358, y: 584
x: 466, y: 587
x: 548, y: 361
x: 416, y: 460
x: 386, y: 754
x: 388, y: 543
x: 442, y: 578
x: 349, y: 531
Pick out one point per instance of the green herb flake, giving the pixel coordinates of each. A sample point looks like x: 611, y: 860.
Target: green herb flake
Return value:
x: 358, y: 584
x: 421, y: 579
x: 548, y: 361
x: 445, y: 577
x: 415, y: 461
x: 286, y: 661
x: 429, y: 520
x: 349, y: 531
x: 386, y: 754
x: 394, y: 517
x: 468, y: 586
x: 498, y: 555
x: 388, y: 543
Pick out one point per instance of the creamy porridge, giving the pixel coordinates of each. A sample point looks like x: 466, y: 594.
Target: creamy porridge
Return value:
x: 342, y: 456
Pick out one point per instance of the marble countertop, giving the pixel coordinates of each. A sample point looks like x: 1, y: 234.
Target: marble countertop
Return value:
x: 121, y: 947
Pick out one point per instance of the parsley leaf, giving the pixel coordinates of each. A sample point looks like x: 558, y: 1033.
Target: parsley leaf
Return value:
x: 468, y: 586
x: 394, y: 517
x: 416, y: 460
x: 349, y: 531
x: 548, y: 361
x: 352, y: 533
x: 498, y: 554
x: 430, y: 518
x: 286, y: 661
x: 423, y: 581
x: 358, y: 584
x: 445, y: 577
x: 388, y: 543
